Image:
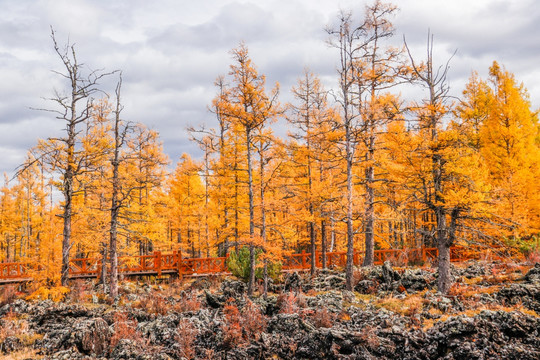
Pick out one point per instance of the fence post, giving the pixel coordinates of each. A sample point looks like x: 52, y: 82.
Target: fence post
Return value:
x: 303, y: 259
x: 99, y: 268
x: 157, y: 262
x: 180, y: 263
x: 225, y: 262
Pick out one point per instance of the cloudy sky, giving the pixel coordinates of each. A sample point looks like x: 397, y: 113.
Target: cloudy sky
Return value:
x: 171, y: 51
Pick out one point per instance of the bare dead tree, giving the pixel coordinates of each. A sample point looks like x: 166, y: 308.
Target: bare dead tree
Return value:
x: 120, y: 130
x: 435, y: 81
x: 344, y: 39
x: 63, y: 154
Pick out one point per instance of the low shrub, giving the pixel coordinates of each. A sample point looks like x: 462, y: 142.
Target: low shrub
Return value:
x: 125, y: 328
x: 238, y: 265
x: 240, y: 327
x: 185, y: 337
x: 8, y: 294
x: 188, y: 302
x: 56, y: 293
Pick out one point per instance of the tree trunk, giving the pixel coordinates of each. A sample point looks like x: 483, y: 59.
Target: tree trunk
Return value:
x: 103, y: 274
x: 68, y: 197
x: 312, y: 236
x: 444, y: 281
x: 323, y: 243
x: 369, y: 217
x: 66, y: 243
x: 350, y: 231
x: 263, y: 219
x: 251, y: 282
x: 115, y: 203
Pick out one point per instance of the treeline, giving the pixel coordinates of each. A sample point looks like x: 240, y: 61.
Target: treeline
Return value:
x: 361, y: 168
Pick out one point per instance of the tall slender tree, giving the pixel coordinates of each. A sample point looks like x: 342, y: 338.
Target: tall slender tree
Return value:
x: 249, y: 108
x: 63, y: 154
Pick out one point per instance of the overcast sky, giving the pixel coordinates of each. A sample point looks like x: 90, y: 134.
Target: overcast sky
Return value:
x: 171, y: 51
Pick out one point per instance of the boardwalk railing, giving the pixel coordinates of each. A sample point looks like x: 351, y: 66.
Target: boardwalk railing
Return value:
x: 174, y: 263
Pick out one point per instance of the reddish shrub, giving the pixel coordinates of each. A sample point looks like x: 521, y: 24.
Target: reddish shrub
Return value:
x: 188, y: 302
x: 186, y: 335
x: 8, y: 294
x: 154, y: 304
x: 232, y: 330
x: 125, y: 328
x: 290, y: 303
x: 322, y: 318
x: 242, y: 326
x: 79, y: 291
x: 252, y: 320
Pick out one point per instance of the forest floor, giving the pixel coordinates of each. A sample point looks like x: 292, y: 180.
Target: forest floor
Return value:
x: 491, y: 312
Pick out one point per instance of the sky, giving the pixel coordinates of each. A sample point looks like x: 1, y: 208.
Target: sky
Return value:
x: 171, y: 51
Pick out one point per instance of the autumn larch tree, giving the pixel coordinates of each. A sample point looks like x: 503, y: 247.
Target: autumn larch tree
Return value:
x: 249, y: 108
x: 378, y: 67
x: 366, y: 69
x: 509, y: 140
x: 313, y: 121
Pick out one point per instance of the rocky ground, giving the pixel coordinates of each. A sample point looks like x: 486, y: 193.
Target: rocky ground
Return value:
x: 490, y: 313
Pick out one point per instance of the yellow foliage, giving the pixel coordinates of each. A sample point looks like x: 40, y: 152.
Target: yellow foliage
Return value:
x: 55, y: 294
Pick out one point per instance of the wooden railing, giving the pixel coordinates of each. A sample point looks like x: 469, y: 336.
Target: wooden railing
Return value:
x: 175, y: 263
x: 13, y: 270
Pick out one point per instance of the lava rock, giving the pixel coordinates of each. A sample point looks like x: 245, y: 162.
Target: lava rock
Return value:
x: 417, y: 280
x: 526, y: 294
x: 388, y: 274
x: 214, y: 300
x: 233, y: 289
x: 93, y: 336
x: 292, y: 282
x: 533, y: 275
x: 10, y: 344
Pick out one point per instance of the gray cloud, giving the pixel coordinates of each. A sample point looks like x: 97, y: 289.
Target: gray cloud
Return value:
x: 171, y: 51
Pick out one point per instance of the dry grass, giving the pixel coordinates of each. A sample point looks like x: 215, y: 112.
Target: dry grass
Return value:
x: 411, y: 305
x: 465, y: 292
x: 429, y: 323
x: 12, y: 325
x: 22, y: 355
x: 153, y: 304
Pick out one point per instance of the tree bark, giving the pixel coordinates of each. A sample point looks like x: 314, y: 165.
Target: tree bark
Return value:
x: 69, y: 175
x: 115, y: 202
x: 312, y: 236
x: 350, y: 230
x: 370, y: 211
x: 251, y: 282
x: 323, y: 243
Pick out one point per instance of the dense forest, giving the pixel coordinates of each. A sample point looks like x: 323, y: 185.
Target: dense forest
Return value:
x: 360, y: 168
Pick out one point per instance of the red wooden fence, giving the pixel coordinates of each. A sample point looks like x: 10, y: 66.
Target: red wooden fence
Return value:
x: 174, y: 263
